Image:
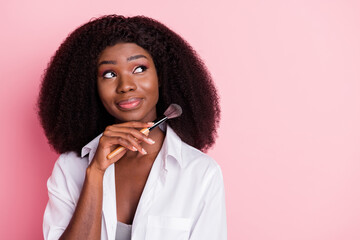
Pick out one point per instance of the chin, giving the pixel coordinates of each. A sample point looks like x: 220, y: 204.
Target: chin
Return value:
x: 134, y: 117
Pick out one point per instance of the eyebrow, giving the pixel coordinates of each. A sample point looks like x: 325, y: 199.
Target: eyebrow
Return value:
x: 135, y: 57
x: 128, y: 59
x: 107, y: 62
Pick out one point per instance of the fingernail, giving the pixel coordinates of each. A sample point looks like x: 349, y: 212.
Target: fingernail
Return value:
x: 151, y: 141
x: 143, y: 151
x: 134, y: 148
x: 151, y: 123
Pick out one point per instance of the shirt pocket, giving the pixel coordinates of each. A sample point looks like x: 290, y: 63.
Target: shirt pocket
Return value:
x: 164, y: 227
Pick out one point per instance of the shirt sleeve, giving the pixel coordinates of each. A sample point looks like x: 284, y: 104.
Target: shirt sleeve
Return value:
x: 211, y: 222
x: 60, y: 207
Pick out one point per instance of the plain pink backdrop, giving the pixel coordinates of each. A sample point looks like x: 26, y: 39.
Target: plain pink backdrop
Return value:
x: 288, y: 73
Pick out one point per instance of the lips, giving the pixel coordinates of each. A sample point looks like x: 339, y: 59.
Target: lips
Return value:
x: 129, y: 104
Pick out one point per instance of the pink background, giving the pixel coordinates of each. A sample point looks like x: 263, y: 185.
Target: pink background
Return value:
x: 288, y: 73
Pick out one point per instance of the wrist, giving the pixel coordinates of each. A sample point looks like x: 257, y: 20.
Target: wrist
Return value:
x: 93, y: 172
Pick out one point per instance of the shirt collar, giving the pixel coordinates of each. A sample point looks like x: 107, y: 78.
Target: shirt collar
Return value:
x: 171, y: 147
x: 91, y: 146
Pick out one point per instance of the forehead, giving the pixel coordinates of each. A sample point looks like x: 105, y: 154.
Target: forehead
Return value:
x: 122, y: 51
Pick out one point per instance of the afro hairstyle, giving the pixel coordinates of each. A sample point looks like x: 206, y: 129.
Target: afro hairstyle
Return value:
x: 69, y: 106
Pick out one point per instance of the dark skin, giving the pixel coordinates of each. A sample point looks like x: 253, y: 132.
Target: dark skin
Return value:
x: 128, y: 88
x: 131, y: 174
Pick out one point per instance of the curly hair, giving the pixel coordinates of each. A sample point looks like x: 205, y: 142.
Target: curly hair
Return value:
x: 69, y: 106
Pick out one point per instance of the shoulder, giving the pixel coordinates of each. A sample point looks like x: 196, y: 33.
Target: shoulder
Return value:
x: 191, y: 155
x: 188, y: 156
x: 71, y: 163
x: 202, y: 164
x: 69, y: 171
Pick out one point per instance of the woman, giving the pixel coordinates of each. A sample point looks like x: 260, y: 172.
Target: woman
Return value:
x: 114, y: 76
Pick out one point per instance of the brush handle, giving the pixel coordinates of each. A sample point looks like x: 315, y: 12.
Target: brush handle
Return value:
x: 160, y: 121
x: 121, y: 148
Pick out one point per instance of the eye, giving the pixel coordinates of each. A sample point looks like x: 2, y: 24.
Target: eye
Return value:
x: 139, y: 69
x: 109, y: 75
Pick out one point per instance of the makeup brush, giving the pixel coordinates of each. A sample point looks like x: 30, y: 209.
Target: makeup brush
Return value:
x: 172, y: 111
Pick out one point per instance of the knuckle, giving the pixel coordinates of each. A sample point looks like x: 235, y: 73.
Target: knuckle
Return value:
x: 107, y: 132
x: 109, y: 128
x: 102, y: 140
x: 127, y: 145
x: 133, y: 132
x: 129, y: 136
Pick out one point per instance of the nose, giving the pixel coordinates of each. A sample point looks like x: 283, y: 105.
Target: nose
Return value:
x: 125, y: 84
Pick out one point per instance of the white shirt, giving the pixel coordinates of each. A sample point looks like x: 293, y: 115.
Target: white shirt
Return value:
x: 183, y: 197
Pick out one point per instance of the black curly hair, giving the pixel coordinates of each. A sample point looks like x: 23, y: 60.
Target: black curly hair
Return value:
x: 70, y: 109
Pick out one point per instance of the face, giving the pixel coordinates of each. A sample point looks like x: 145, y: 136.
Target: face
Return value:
x: 127, y: 83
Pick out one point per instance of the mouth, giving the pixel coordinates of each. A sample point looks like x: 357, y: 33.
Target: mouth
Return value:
x: 129, y: 104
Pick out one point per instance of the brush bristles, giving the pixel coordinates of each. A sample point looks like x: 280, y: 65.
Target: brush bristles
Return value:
x: 173, y: 111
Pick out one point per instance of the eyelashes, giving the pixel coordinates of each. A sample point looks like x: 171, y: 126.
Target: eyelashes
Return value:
x: 112, y: 74
x: 142, y: 68
x: 108, y: 74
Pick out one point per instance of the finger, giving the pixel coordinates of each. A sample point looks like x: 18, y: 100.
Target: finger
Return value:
x: 119, y: 132
x: 108, y: 144
x: 102, y: 162
x: 135, y: 143
x: 134, y: 124
x: 129, y: 142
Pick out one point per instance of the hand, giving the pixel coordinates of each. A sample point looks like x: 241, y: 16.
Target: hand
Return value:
x: 127, y: 135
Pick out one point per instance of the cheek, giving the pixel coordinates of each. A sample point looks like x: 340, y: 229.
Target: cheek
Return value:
x: 152, y: 87
x: 103, y: 92
x: 156, y: 95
